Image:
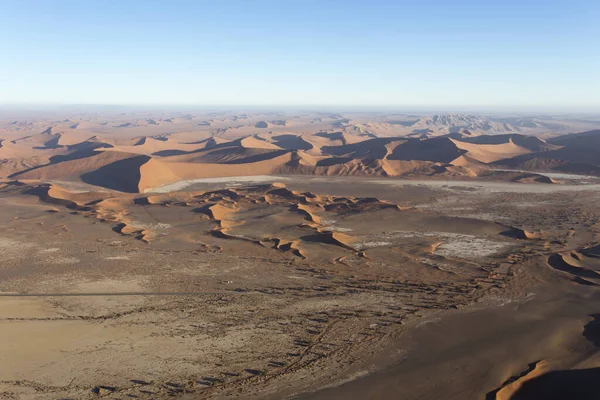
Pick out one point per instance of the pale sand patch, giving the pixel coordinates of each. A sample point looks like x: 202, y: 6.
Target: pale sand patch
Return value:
x: 13, y: 249
x: 104, y: 304
x: 50, y: 250
x: 467, y: 246
x: 90, y: 353
x: 109, y: 285
x: 10, y: 245
x: 369, y: 245
x: 19, y: 307
x: 554, y: 175
x: 39, y: 348
x: 455, y: 244
x: 487, y: 186
x: 63, y: 260
x: 173, y: 187
x: 141, y: 225
x: 329, y: 226
x: 336, y: 229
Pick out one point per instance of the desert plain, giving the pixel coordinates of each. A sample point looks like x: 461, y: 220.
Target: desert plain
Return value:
x: 311, y: 255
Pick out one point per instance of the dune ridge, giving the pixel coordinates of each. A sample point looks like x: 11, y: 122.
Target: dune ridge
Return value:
x: 141, y: 163
x: 236, y: 213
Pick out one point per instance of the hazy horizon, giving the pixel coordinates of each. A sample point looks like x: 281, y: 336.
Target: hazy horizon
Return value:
x: 273, y: 108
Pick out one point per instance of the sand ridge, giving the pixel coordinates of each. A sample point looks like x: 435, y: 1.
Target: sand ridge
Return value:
x: 273, y: 216
x: 140, y: 163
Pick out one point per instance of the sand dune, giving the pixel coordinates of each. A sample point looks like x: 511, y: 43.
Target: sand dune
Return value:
x: 254, y: 142
x: 149, y: 146
x: 581, y: 140
x: 418, y: 286
x: 76, y: 167
x: 56, y: 195
x: 519, y: 233
x: 378, y: 148
x: 578, y: 265
x: 265, y: 215
x: 577, y: 153
x: 156, y: 173
x: 292, y: 142
x: 531, y: 143
x: 11, y: 150
x: 508, y: 391
x: 272, y: 216
x: 436, y: 150
x: 139, y: 163
x: 488, y: 153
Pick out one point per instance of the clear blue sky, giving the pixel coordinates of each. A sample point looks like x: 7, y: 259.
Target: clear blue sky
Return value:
x: 370, y: 52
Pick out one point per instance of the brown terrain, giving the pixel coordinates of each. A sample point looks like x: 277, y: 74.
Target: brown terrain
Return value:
x: 311, y: 256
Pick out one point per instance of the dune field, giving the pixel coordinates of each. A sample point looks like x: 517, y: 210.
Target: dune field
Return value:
x: 226, y: 254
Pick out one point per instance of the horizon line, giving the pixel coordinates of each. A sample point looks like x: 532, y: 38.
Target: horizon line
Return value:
x: 354, y: 107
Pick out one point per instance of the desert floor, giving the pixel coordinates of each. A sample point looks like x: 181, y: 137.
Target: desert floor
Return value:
x: 424, y: 290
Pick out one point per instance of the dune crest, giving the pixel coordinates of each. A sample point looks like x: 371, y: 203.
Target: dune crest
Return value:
x: 140, y: 163
x: 536, y: 369
x: 238, y: 214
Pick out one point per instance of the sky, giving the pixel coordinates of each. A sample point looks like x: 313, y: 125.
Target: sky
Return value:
x: 427, y: 53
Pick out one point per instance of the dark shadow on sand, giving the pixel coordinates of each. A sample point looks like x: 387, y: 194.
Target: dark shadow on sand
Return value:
x: 582, y: 384
x: 123, y: 175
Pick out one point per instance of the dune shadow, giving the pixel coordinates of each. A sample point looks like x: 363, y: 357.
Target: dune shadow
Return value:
x: 591, y: 331
x: 122, y: 175
x: 530, y: 367
x: 51, y: 144
x: 372, y: 148
x: 557, y: 262
x: 81, y: 150
x: 328, y: 162
x: 292, y: 142
x: 169, y: 153
x: 264, y: 156
x: 316, y: 238
x: 435, y: 150
x: 209, y: 143
x: 581, y: 384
